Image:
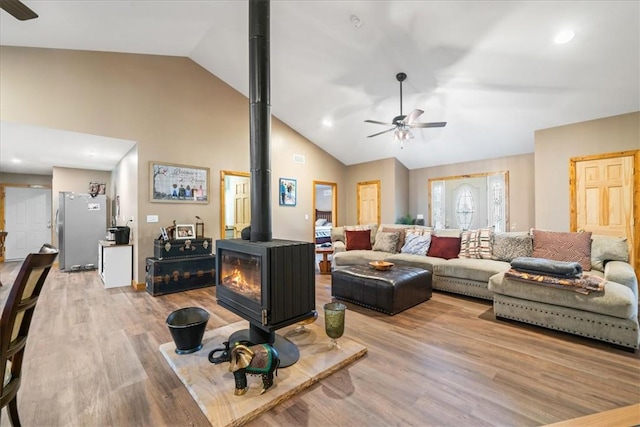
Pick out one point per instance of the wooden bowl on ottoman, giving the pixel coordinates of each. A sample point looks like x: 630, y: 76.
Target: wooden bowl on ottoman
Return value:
x: 381, y: 265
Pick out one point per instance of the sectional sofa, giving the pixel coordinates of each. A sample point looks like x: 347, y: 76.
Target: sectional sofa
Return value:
x: 611, y: 315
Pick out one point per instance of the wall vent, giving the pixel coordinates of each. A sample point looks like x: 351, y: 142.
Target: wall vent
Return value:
x: 298, y: 158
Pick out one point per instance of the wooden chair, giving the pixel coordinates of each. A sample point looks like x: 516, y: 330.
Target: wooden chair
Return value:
x: 3, y: 236
x: 15, y: 322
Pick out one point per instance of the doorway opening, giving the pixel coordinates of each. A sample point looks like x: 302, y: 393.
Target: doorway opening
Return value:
x: 235, y: 203
x: 325, y: 211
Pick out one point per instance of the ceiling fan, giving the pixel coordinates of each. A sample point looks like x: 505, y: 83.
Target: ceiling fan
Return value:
x: 402, y: 124
x: 18, y: 9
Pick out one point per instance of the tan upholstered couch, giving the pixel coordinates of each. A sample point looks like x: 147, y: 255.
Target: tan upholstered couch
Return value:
x: 610, y: 316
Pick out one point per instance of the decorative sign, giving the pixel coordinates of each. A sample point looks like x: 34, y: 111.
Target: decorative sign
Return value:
x: 173, y: 183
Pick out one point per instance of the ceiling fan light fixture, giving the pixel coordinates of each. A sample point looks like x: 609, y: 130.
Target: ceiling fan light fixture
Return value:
x: 402, y: 135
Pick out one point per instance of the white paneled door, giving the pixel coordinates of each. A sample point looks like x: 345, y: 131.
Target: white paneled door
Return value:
x: 27, y: 220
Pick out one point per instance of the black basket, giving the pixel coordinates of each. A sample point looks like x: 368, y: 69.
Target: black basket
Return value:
x: 187, y: 327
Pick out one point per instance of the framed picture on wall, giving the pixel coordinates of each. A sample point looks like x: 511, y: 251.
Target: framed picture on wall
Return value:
x: 174, y: 183
x: 288, y: 191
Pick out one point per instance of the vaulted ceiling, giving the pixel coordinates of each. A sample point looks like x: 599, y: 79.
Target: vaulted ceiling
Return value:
x: 490, y: 69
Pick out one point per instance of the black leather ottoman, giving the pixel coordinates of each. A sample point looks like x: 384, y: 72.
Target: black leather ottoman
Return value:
x: 389, y: 291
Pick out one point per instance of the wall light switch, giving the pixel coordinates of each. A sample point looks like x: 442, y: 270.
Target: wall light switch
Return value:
x: 306, y: 216
x: 152, y: 218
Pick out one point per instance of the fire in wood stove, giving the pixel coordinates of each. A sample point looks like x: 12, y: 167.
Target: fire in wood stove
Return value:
x: 241, y: 273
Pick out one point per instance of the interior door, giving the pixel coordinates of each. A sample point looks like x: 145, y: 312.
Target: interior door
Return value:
x: 604, y: 198
x: 369, y: 202
x: 242, y: 207
x: 27, y: 221
x: 235, y: 203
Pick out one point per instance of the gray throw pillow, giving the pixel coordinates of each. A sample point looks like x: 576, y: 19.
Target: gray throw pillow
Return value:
x: 416, y: 244
x: 506, y: 247
x: 386, y: 242
x: 606, y: 248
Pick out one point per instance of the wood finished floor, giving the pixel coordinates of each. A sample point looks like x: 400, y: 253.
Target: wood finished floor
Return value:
x: 93, y: 360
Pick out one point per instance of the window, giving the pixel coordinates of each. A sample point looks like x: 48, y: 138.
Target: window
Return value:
x: 496, y: 207
x: 437, y: 204
x: 465, y: 206
x: 470, y: 201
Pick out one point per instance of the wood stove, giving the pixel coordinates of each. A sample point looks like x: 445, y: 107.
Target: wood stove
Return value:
x: 270, y: 284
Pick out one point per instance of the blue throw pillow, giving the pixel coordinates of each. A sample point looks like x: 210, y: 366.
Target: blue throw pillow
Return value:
x: 416, y: 244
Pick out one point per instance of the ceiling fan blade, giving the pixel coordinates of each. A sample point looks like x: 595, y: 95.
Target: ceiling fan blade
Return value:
x: 429, y: 125
x: 378, y: 123
x: 412, y: 116
x: 380, y: 133
x: 18, y: 9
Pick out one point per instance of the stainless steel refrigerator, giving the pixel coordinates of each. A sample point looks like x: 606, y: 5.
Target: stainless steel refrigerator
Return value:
x: 81, y: 222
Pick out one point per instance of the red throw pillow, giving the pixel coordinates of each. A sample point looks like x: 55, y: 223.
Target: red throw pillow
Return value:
x: 358, y: 239
x: 444, y: 247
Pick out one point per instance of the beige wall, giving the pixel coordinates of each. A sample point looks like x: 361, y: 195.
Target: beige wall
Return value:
x: 124, y: 192
x: 176, y: 112
x: 24, y: 179
x: 401, y: 200
x: 382, y: 170
x: 296, y: 222
x: 521, y: 185
x: 555, y: 146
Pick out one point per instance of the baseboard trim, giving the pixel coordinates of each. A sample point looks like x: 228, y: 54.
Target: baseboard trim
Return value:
x: 137, y: 286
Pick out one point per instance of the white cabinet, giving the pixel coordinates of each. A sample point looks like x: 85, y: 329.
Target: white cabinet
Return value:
x: 115, y: 264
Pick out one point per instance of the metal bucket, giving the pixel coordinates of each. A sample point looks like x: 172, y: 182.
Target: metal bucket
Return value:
x: 187, y: 327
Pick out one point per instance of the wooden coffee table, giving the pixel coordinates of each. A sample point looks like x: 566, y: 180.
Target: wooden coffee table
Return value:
x: 325, y: 264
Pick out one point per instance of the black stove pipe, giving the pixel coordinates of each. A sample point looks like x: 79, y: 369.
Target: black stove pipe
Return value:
x: 260, y: 120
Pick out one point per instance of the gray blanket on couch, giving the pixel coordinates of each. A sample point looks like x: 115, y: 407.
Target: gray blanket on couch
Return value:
x: 547, y: 267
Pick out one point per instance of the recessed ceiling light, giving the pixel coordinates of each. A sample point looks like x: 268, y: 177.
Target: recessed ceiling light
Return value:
x: 16, y: 161
x: 355, y: 21
x: 327, y: 123
x: 91, y: 154
x: 564, y: 36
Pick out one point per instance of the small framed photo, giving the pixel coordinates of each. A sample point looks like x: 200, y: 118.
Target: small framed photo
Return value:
x: 185, y: 231
x: 288, y: 192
